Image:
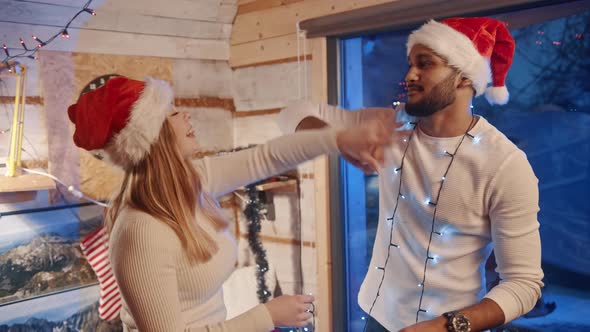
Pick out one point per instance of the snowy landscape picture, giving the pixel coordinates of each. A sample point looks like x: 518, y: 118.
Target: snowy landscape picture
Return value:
x: 40, y: 253
x: 74, y: 310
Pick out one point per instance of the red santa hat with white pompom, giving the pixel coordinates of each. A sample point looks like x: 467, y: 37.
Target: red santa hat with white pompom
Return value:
x: 122, y: 118
x: 481, y: 48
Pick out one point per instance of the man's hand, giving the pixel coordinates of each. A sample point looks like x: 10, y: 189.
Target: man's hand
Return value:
x: 435, y: 325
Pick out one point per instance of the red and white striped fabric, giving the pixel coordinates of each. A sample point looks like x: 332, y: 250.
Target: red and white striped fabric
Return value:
x: 96, y: 249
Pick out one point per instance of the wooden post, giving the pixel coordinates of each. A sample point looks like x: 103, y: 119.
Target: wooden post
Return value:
x: 16, y: 130
x: 319, y: 93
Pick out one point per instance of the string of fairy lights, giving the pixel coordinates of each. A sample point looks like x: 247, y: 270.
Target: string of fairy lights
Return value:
x: 429, y: 257
x: 30, y: 52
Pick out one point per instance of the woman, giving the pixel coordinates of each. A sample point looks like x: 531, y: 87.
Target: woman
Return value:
x: 169, y: 245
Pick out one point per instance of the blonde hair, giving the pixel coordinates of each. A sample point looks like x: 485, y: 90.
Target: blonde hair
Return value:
x: 167, y: 187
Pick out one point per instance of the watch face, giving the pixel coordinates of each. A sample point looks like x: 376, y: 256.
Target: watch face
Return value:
x: 461, y: 324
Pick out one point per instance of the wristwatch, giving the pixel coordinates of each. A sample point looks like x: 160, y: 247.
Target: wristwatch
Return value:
x: 457, y: 322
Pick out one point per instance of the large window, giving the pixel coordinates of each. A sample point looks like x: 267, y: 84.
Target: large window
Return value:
x: 548, y: 117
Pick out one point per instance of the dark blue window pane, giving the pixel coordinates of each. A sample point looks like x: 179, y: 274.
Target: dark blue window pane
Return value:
x: 548, y: 117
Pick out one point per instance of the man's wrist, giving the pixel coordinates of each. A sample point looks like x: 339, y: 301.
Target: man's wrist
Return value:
x: 456, y: 322
x: 441, y: 321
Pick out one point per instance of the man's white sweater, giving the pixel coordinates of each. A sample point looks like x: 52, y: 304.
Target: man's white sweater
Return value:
x: 489, y: 201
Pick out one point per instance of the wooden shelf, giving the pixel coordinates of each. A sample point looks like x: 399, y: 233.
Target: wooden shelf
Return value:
x: 287, y: 186
x: 279, y: 186
x: 25, y: 182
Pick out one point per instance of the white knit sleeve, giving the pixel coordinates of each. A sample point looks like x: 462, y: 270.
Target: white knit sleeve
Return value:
x: 224, y: 174
x: 514, y: 203
x: 333, y: 116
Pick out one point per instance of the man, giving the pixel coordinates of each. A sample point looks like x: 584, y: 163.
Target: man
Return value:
x: 452, y: 189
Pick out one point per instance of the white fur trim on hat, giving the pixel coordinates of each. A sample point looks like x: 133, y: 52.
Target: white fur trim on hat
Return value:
x: 456, y: 49
x: 148, y: 114
x: 497, y: 95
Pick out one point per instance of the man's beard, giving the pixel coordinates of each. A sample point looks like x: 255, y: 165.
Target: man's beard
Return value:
x: 441, y: 96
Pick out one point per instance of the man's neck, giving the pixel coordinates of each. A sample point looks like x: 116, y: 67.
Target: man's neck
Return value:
x: 454, y: 120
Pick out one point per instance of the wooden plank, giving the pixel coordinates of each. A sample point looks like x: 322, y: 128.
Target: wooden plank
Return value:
x: 208, y: 10
x: 227, y: 12
x: 25, y: 182
x: 270, y: 87
x: 35, y: 163
x: 273, y: 62
x: 243, y: 114
x: 107, y: 42
x: 277, y: 185
x: 70, y: 3
x: 193, y: 78
x: 276, y: 239
x: 17, y: 197
x: 187, y: 9
x: 29, y: 100
x: 280, y: 21
x: 319, y: 78
x: 209, y: 102
x: 42, y: 14
x: 265, y: 51
x: 6, y: 65
x: 256, y: 5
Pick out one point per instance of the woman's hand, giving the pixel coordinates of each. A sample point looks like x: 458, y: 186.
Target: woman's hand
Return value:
x: 363, y: 146
x: 291, y: 310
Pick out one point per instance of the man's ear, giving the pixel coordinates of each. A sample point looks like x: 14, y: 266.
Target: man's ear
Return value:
x: 465, y: 82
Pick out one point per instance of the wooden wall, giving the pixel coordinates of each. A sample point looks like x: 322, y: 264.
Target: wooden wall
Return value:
x: 266, y: 77
x: 265, y: 30
x: 182, y: 29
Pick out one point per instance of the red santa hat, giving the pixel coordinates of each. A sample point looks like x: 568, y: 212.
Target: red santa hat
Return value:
x: 122, y: 118
x: 481, y: 48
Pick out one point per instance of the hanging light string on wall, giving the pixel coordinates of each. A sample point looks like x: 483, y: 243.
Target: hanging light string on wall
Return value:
x: 434, y: 203
x: 71, y: 189
x: 30, y: 53
x: 302, y: 75
x: 303, y: 94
